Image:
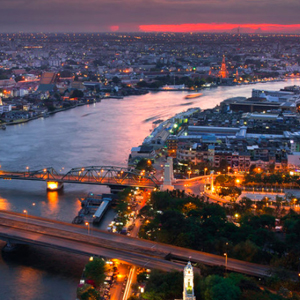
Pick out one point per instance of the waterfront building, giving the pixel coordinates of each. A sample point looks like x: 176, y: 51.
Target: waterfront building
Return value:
x: 276, y: 94
x: 172, y: 145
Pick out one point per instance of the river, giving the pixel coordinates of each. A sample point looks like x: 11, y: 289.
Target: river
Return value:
x: 101, y: 134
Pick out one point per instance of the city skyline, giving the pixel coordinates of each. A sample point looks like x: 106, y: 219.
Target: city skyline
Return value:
x: 249, y: 16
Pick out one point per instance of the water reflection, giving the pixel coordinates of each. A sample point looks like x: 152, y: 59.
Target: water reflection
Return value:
x: 94, y: 135
x: 53, y: 199
x: 4, y: 204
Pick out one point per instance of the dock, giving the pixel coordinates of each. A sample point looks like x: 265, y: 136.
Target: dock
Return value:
x: 93, y: 208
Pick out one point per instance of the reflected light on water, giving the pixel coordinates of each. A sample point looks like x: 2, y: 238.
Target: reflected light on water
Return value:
x: 29, y: 277
x: 4, y: 204
x: 53, y: 201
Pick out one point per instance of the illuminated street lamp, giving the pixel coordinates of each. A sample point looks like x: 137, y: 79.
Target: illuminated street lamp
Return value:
x: 225, y: 254
x: 26, y: 212
x: 88, y: 225
x: 205, y: 169
x: 189, y: 173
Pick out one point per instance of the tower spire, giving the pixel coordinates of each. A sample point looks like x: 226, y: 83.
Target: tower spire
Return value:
x: 223, y: 72
x: 188, y: 282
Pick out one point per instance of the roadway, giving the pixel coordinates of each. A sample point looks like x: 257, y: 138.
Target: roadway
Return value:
x: 19, y: 228
x: 192, y: 186
x: 118, y: 288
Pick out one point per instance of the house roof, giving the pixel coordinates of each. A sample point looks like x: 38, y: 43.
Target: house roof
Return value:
x: 46, y: 87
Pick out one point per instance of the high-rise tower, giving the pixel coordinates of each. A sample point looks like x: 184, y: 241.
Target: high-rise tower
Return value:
x: 188, y: 283
x: 223, y: 72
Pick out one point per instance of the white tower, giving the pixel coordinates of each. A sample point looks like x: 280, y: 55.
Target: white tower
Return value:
x: 188, y: 283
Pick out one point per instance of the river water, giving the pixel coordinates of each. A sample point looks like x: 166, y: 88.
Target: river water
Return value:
x: 101, y: 134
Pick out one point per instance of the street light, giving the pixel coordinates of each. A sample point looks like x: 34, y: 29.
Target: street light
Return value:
x: 205, y: 169
x: 88, y: 225
x: 225, y: 254
x: 25, y: 212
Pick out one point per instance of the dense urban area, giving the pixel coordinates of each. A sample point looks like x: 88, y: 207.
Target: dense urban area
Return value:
x: 221, y: 182
x: 41, y: 73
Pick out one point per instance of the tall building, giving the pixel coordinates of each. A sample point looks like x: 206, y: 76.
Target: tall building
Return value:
x: 188, y: 283
x: 237, y: 75
x: 223, y: 72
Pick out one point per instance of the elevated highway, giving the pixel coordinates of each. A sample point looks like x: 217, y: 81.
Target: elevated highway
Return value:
x: 21, y: 229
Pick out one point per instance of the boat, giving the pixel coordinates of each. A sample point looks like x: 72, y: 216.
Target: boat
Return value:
x: 192, y: 96
x: 3, y: 127
x: 157, y: 121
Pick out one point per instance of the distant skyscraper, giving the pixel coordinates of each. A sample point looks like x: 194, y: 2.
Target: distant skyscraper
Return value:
x: 223, y: 72
x: 188, y: 283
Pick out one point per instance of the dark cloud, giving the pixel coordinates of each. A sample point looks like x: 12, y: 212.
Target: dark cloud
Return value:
x: 100, y: 15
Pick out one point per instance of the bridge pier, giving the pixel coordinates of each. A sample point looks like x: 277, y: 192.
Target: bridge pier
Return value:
x: 54, y: 185
x: 9, y: 247
x: 115, y: 189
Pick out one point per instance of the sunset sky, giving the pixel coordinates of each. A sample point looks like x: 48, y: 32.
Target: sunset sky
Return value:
x: 150, y: 15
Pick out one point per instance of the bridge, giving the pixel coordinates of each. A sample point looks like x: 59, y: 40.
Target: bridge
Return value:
x: 100, y: 175
x: 18, y: 228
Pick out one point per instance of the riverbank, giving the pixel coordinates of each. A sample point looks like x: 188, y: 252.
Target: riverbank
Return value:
x: 143, y: 91
x: 99, y: 135
x: 21, y: 121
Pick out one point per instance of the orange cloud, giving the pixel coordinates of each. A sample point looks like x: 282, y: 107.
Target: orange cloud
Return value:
x: 114, y: 28
x: 214, y: 27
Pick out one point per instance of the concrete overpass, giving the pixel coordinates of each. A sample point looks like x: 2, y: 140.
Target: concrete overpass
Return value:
x: 22, y: 229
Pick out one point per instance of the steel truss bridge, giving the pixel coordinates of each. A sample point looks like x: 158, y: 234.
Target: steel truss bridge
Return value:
x: 99, y: 175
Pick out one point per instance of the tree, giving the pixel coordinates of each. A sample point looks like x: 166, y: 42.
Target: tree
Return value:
x: 87, y: 292
x: 252, y: 169
x: 246, y: 204
x: 246, y: 251
x: 116, y: 80
x: 66, y: 73
x: 95, y: 270
x: 223, y: 165
x: 164, y: 286
x: 77, y: 94
x: 19, y: 78
x: 144, y: 164
x: 218, y: 288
